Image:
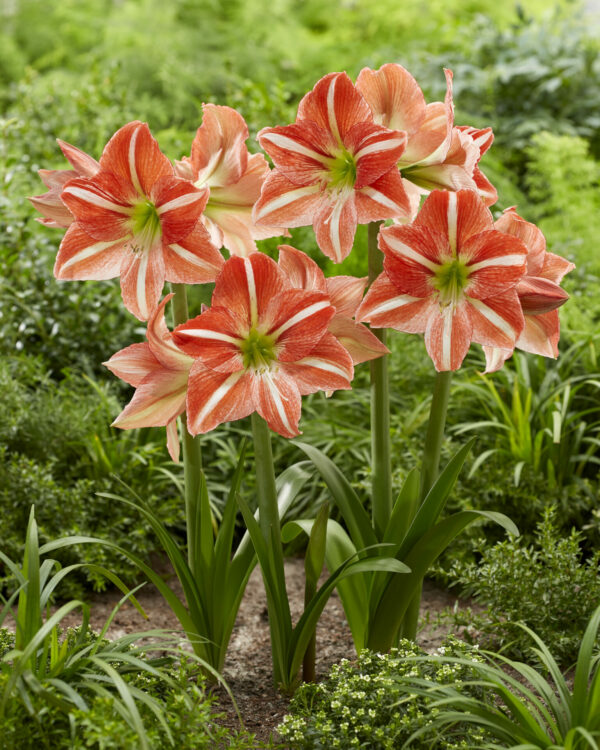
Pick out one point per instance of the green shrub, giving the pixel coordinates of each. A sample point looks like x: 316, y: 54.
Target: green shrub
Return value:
x: 545, y: 585
x: 362, y: 705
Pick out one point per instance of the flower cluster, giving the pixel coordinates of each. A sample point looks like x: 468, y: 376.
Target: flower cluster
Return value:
x: 357, y: 153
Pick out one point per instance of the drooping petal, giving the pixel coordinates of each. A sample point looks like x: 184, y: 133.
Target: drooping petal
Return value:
x: 328, y: 367
x: 173, y: 440
x: 486, y: 190
x: 302, y: 271
x: 496, y: 261
x: 81, y: 257
x: 213, y: 338
x: 359, y: 342
x: 178, y: 206
x: 455, y: 215
x: 161, y: 342
x: 82, y: 163
x: 412, y: 256
x: 134, y: 156
x: 216, y: 397
x: 193, y: 259
x: 448, y: 336
x: 283, y: 204
x: 49, y: 204
x: 346, y: 293
x: 278, y: 402
x: 540, y: 334
x: 555, y: 267
x: 335, y: 227
x: 511, y: 223
x: 386, y: 198
x: 497, y: 321
x: 300, y: 151
x: 298, y: 321
x: 335, y: 105
x: 495, y: 358
x: 384, y: 306
x: 142, y: 280
x: 395, y: 98
x: 219, y: 154
x: 134, y: 363
x: 538, y: 295
x: 158, y: 399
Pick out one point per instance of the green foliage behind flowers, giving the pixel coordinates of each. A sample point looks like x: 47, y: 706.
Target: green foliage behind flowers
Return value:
x: 546, y: 585
x: 362, y: 705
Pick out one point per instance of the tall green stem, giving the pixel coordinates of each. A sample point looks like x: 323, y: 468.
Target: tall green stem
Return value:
x: 429, y: 473
x: 192, y: 451
x: 265, y: 480
x: 381, y: 460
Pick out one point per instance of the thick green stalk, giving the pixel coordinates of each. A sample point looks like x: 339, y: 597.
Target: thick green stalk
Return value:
x: 192, y: 451
x: 429, y: 473
x: 381, y: 460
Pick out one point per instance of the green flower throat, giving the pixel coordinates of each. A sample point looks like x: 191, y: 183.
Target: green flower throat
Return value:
x: 258, y: 350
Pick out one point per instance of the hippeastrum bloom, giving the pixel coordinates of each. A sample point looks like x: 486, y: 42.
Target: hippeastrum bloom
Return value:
x: 450, y: 275
x: 539, y: 292
x: 135, y: 219
x: 260, y: 347
x: 221, y: 162
x: 437, y: 154
x: 345, y: 294
x: 158, y: 369
x: 55, y: 213
x: 334, y: 168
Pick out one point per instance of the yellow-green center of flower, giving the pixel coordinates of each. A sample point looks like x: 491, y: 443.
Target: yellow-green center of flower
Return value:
x: 258, y: 350
x: 450, y: 280
x: 146, y: 223
x: 342, y: 173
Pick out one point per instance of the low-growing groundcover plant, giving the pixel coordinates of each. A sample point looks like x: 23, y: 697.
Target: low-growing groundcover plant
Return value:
x: 363, y: 704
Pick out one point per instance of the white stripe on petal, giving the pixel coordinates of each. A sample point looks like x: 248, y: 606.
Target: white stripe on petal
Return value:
x: 447, y: 338
x: 90, y: 251
x: 218, y: 395
x: 251, y: 292
x: 373, y: 148
x: 322, y: 364
x: 378, y: 197
x: 183, y: 200
x: 141, y: 285
x: 496, y: 320
x: 206, y: 333
x: 289, y: 144
x: 452, y: 220
x: 502, y: 260
x: 276, y: 396
x: 301, y: 315
x: 334, y: 230
x: 189, y: 257
x: 131, y: 159
x: 333, y: 126
x: 408, y: 252
x: 97, y: 200
x: 286, y: 198
x: 392, y: 304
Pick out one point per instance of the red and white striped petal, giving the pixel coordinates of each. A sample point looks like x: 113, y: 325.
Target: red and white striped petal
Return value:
x: 142, y: 280
x: 483, y: 138
x: 497, y: 321
x: 386, y: 307
x: 495, y: 358
x: 375, y: 149
x: 538, y: 295
x: 134, y: 156
x: 496, y: 261
x: 247, y: 285
x: 346, y: 293
x: 302, y: 271
x: 359, y: 342
x: 82, y: 163
x: 193, y: 259
x: 301, y: 151
x: 162, y: 344
x: 282, y: 203
x: 178, y: 206
x: 335, y: 227
x: 102, y: 206
x: 486, y: 190
x: 81, y: 257
x: 541, y: 334
x: 328, y: 367
x: 158, y: 399
x: 213, y: 338
x: 458, y: 215
x: 298, y: 320
x: 134, y: 363
x: 448, y: 336
x: 335, y: 105
x: 278, y: 402
x: 219, y: 154
x: 386, y: 198
x: 413, y: 254
x: 395, y: 98
x: 555, y: 267
x: 511, y: 223
x: 217, y: 397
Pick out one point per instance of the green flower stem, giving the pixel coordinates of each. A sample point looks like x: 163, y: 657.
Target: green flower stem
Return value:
x: 381, y: 461
x: 429, y: 473
x: 192, y: 450
x: 265, y: 481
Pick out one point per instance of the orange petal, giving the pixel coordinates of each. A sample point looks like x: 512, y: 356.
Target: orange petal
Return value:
x: 448, y: 336
x: 219, y: 154
x: 335, y: 227
x: 302, y: 271
x: 278, y: 402
x: 328, y: 367
x: 395, y: 98
x: 385, y: 307
x: 133, y: 363
x: 215, y: 397
x: 82, y: 257
x: 360, y: 343
x: 142, y: 281
x: 283, y: 204
x: 193, y: 259
x: 497, y: 321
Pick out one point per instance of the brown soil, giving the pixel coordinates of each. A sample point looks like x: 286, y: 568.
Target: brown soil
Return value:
x: 248, y: 665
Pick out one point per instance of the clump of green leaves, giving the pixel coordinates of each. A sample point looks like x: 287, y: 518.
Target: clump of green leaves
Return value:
x: 561, y: 589
x: 362, y: 705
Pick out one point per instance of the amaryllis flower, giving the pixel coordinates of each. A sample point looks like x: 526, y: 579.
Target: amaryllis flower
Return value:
x: 450, y: 275
x: 158, y: 369
x: 335, y: 168
x: 55, y: 213
x: 345, y: 294
x: 539, y: 292
x: 437, y: 154
x: 221, y: 162
x: 261, y: 346
x: 135, y: 219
